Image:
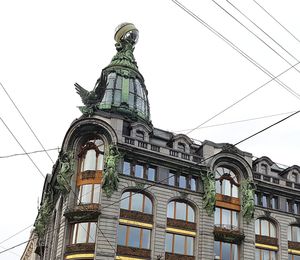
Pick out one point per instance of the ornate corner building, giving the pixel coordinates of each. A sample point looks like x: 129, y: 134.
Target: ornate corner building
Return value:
x: 123, y: 189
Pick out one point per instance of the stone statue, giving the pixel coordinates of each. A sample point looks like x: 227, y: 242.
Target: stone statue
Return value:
x: 248, y: 200
x: 110, y: 176
x: 209, y: 198
x: 43, y: 216
x: 66, y: 170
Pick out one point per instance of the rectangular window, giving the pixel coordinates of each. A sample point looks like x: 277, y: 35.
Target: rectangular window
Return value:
x: 265, y: 201
x: 151, y: 174
x: 193, y: 184
x: 139, y: 171
x: 225, y: 251
x: 182, y: 182
x: 134, y: 237
x: 126, y: 168
x: 171, y: 179
x: 179, y: 244
x: 274, y: 202
x: 84, y: 232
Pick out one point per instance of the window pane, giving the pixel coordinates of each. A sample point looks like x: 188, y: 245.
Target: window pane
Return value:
x: 217, y: 250
x: 74, y: 234
x: 235, y: 192
x: 122, y: 235
x: 170, y: 211
x: 139, y: 171
x: 225, y: 251
x: 146, y: 238
x: 82, y: 232
x: 257, y: 227
x: 218, y: 187
x: 264, y: 227
x: 92, y: 234
x: 193, y: 184
x: 126, y: 168
x: 191, y: 214
x: 147, y: 205
x: 234, y: 251
x: 289, y: 233
x: 296, y: 257
x: 226, y: 186
x: 182, y: 182
x: 180, y: 210
x: 134, y: 237
x: 171, y: 179
x: 100, y: 162
x: 96, y: 198
x: 190, y: 245
x: 226, y: 218
x: 265, y: 255
x: 235, y: 219
x: 137, y: 202
x: 264, y: 201
x: 90, y: 161
x: 179, y: 244
x: 257, y: 254
x: 217, y: 216
x: 151, y: 174
x: 169, y: 242
x: 272, y: 230
x: 86, y: 193
x: 125, y: 200
x: 298, y: 234
x: 273, y: 255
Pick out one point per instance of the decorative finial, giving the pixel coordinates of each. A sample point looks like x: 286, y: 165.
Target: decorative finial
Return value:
x: 126, y: 32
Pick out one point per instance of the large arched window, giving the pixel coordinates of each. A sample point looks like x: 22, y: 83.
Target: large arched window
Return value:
x: 131, y: 200
x: 135, y: 224
x: 180, y: 210
x: 266, y: 241
x: 227, y: 182
x: 181, y: 230
x: 89, y: 177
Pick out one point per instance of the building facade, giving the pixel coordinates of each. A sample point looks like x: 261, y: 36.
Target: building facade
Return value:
x: 123, y: 189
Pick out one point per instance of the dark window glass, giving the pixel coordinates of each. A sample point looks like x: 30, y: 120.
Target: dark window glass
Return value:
x: 182, y: 182
x: 181, y: 147
x: 171, y: 179
x: 126, y: 168
x: 151, y: 174
x: 139, y: 171
x: 193, y: 184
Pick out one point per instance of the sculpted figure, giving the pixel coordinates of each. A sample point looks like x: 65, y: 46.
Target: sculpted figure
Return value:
x: 66, y: 164
x: 110, y: 176
x: 248, y: 199
x: 209, y: 198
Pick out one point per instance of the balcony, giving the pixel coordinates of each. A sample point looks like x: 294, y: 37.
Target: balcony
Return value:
x: 229, y: 233
x: 86, y: 212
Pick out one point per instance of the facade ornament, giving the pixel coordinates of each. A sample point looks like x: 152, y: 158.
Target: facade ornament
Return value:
x: 43, y: 218
x: 110, y: 175
x: 230, y: 148
x: 209, y: 198
x: 139, y: 185
x: 267, y: 213
x: 248, y: 199
x: 66, y: 171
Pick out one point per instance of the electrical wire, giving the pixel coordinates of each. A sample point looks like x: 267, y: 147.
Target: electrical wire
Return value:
x: 232, y: 45
x: 254, y: 34
x: 19, y: 232
x: 35, y: 165
x: 263, y: 31
x: 33, y: 152
x: 277, y: 21
x: 236, y: 122
x: 26, y: 122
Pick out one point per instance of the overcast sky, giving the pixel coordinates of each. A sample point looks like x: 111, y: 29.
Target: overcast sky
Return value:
x: 190, y: 74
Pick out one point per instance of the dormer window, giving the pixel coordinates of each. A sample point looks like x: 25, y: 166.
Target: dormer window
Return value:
x: 181, y: 147
x: 264, y: 169
x: 294, y: 177
x: 140, y: 134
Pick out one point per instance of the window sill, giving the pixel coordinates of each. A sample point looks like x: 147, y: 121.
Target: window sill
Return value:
x: 266, y: 240
x: 170, y: 256
x: 132, y: 251
x: 80, y: 248
x: 177, y: 223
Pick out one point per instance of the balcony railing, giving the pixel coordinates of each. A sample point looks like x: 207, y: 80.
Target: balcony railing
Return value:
x: 229, y: 233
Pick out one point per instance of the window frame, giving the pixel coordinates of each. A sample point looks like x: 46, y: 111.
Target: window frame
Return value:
x: 185, y: 244
x: 75, y: 226
x: 187, y: 205
x: 130, y: 196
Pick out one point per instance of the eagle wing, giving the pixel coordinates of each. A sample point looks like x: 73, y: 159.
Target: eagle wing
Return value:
x: 83, y: 93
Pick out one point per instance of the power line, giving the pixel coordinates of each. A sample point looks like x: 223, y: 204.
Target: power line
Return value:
x: 26, y: 122
x: 15, y: 234
x: 238, y: 121
x: 11, y: 252
x: 161, y: 181
x: 277, y: 21
x: 255, y: 35
x: 232, y: 45
x: 22, y: 148
x: 263, y: 31
x: 33, y: 152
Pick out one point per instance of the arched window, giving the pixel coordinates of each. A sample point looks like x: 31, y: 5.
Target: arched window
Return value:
x: 131, y: 200
x: 180, y: 210
x: 89, y: 177
x: 266, y: 241
x: 181, y: 230
x: 135, y: 224
x: 264, y: 227
x: 227, y: 182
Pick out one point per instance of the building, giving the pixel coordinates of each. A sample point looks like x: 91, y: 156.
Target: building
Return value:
x: 123, y: 189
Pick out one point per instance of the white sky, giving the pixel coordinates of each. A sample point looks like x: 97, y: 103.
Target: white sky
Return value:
x: 47, y: 46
